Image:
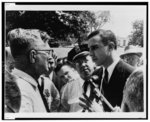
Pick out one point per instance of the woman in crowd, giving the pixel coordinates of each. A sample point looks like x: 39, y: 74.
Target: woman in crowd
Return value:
x: 72, y: 89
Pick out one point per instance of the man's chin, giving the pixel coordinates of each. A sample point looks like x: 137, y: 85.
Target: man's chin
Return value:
x: 49, y: 71
x: 86, y: 74
x: 98, y: 63
x: 46, y: 71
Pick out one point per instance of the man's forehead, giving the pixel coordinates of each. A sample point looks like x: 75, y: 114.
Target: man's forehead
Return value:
x: 94, y: 40
x: 82, y: 58
x: 64, y: 69
x: 42, y: 45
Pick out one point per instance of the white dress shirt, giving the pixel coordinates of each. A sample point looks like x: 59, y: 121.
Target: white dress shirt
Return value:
x: 111, y: 68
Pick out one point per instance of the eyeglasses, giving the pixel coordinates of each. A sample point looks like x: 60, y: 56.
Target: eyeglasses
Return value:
x: 49, y: 52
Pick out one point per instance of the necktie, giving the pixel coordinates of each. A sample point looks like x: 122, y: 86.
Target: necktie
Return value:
x: 106, y: 76
x: 105, y: 89
x: 41, y: 88
x: 105, y: 81
x: 42, y: 84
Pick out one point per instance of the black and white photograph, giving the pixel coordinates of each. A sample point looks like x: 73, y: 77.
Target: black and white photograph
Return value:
x: 79, y: 60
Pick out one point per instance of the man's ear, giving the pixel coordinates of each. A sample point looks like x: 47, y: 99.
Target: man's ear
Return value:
x: 111, y: 46
x: 32, y: 56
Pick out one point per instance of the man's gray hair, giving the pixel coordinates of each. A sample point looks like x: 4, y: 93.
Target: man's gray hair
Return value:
x: 20, y: 40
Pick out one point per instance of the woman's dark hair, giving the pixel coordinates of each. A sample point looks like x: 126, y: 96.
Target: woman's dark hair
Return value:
x: 63, y: 63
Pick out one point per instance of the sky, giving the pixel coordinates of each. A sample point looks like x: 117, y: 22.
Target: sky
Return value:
x: 122, y: 19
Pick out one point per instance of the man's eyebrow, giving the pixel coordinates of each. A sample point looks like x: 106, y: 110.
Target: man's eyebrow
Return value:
x: 93, y: 46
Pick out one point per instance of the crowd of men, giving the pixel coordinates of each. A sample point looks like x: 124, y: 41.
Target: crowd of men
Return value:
x: 92, y: 78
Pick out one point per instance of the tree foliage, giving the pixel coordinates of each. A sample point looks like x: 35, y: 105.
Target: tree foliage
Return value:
x: 60, y: 25
x: 136, y: 38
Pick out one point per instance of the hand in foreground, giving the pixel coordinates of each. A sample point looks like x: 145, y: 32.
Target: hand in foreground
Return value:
x: 117, y: 109
x: 91, y: 106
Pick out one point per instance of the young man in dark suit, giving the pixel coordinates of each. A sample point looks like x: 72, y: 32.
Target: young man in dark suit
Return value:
x: 103, y: 49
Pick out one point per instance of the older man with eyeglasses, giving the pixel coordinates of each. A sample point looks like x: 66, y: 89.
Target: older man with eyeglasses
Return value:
x: 31, y: 54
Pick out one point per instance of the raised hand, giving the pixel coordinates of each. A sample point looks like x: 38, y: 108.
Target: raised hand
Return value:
x: 116, y: 109
x: 91, y: 106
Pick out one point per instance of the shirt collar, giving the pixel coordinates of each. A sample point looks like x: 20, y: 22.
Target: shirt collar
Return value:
x: 51, y: 75
x: 111, y: 68
x: 25, y: 76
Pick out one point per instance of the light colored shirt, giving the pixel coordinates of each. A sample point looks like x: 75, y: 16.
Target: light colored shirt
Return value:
x: 31, y: 100
x: 111, y: 68
x: 70, y: 94
x: 51, y: 94
x: 51, y: 75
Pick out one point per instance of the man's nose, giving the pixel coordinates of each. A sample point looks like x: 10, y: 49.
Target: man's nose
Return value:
x: 66, y: 78
x: 91, y: 52
x: 50, y: 57
x: 51, y: 60
x: 83, y: 64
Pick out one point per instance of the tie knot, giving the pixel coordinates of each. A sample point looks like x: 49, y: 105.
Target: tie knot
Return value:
x: 106, y: 72
x: 41, y: 85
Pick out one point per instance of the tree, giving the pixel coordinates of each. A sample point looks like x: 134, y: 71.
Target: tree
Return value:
x: 95, y: 19
x: 60, y: 25
x: 136, y: 38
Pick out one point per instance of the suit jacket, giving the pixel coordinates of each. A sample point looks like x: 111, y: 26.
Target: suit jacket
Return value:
x: 113, y: 91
